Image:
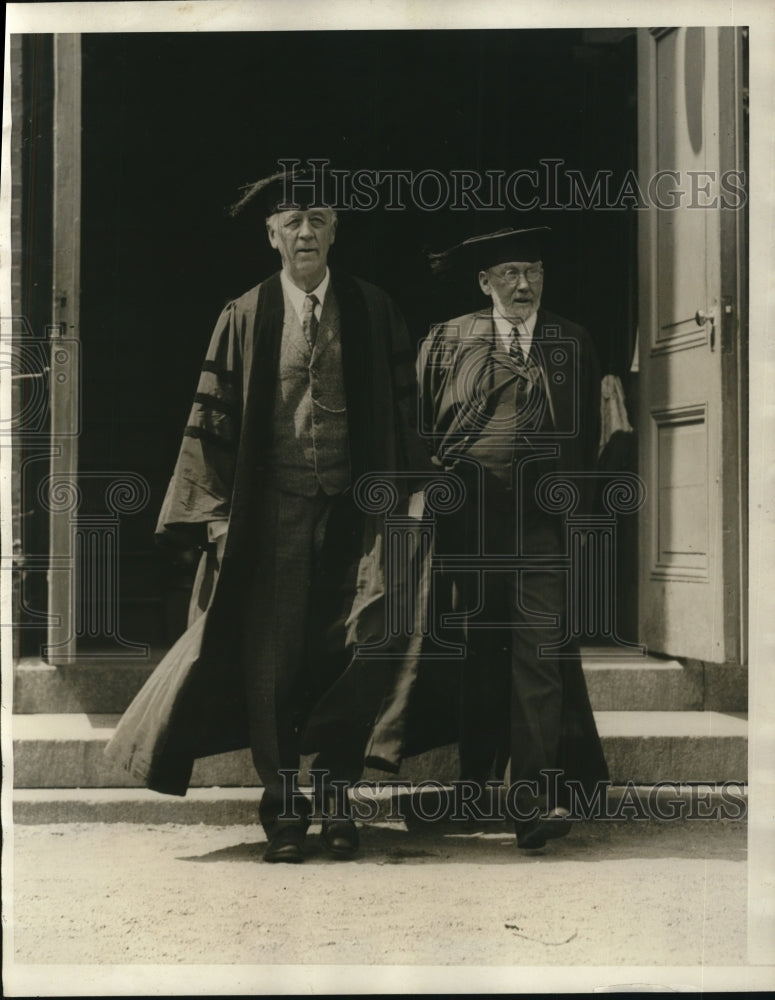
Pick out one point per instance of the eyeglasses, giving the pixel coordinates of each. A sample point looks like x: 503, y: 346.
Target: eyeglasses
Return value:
x: 512, y: 274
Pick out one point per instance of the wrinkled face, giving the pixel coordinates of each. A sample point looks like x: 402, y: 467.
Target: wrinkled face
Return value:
x: 514, y: 287
x: 303, y: 239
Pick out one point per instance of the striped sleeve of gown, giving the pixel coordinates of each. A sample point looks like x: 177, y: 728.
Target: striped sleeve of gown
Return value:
x: 201, y: 486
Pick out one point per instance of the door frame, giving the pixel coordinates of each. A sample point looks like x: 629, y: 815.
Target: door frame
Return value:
x: 62, y: 496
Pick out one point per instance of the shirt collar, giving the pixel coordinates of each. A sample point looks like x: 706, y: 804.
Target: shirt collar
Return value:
x: 298, y: 295
x: 524, y: 326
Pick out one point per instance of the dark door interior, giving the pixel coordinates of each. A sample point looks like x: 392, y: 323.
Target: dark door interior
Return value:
x: 175, y: 123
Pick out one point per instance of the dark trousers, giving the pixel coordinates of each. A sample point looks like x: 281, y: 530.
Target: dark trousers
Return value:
x: 512, y: 691
x: 293, y: 645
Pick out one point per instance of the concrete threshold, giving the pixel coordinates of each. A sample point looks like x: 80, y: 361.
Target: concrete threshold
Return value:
x: 87, y: 726
x: 617, y: 678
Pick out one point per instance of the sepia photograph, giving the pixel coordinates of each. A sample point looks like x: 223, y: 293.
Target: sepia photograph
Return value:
x: 386, y: 470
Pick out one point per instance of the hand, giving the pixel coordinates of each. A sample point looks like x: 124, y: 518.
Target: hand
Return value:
x: 186, y: 558
x: 417, y: 505
x: 216, y: 534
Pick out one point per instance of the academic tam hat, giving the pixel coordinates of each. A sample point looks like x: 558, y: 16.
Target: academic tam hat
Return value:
x: 300, y: 188
x: 480, y: 252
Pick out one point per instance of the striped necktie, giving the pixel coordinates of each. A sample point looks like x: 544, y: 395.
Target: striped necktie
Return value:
x: 309, y: 321
x: 515, y: 349
x: 532, y: 398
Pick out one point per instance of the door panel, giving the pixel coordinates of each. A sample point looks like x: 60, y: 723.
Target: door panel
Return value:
x: 681, y: 522
x: 693, y: 502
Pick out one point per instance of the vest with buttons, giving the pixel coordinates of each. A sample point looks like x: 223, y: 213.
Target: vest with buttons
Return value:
x: 310, y: 445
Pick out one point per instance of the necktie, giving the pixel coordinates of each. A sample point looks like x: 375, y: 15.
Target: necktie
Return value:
x: 529, y: 397
x: 515, y: 348
x: 309, y: 321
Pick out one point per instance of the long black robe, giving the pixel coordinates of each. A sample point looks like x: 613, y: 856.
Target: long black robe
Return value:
x: 193, y: 705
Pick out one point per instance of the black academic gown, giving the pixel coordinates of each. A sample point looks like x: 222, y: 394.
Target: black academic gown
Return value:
x: 193, y: 704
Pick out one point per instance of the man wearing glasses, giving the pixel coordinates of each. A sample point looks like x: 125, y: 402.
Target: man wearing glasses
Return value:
x: 510, y: 402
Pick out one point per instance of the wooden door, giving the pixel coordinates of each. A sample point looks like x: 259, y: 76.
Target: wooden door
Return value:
x: 689, y: 335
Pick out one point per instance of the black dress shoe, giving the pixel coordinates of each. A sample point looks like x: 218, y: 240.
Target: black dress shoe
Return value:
x: 534, y: 833
x: 340, y: 838
x: 285, y: 845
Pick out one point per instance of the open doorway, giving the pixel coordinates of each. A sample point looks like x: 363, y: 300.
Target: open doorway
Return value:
x: 173, y: 124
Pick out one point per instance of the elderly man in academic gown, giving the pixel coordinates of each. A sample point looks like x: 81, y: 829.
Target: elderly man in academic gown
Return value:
x: 511, y: 402
x: 308, y: 384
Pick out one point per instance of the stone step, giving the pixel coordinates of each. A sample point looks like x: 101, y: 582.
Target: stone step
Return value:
x: 227, y: 806
x: 66, y: 751
x: 93, y: 684
x: 619, y: 682
x: 616, y: 682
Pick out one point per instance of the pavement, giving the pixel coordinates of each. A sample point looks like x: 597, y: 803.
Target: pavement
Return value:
x: 660, y: 903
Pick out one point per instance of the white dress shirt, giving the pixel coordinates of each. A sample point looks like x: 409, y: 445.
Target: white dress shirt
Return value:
x: 524, y: 327
x: 298, y: 295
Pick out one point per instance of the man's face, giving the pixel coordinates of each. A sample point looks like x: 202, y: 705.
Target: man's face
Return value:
x: 303, y: 239
x: 515, y: 287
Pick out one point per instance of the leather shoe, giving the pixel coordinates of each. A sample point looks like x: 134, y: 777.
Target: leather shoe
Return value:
x: 285, y: 845
x: 534, y: 833
x: 340, y: 838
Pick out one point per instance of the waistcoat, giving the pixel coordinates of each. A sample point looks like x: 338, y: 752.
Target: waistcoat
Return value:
x: 310, y: 446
